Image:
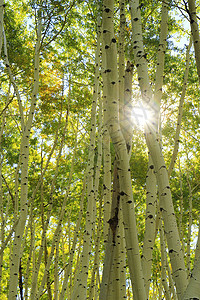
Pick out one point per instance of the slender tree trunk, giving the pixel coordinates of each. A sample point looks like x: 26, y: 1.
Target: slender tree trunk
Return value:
x: 195, y: 32
x: 180, y: 111
x: 166, y: 205
x: 80, y: 288
x: 1, y: 23
x: 16, y: 255
x: 164, y: 264
x: 112, y: 111
x: 150, y: 224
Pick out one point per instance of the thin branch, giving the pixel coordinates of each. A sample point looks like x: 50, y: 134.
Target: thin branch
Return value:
x: 7, y: 105
x: 63, y: 25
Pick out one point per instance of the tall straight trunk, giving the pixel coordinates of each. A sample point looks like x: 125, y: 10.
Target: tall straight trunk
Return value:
x: 96, y: 194
x: 151, y: 185
x: 189, y: 228
x: 1, y: 23
x: 122, y: 158
x: 80, y: 287
x: 68, y: 266
x: 195, y: 33
x: 166, y: 204
x: 57, y: 233
x: 164, y: 264
x: 180, y: 111
x: 50, y: 206
x: 16, y: 254
x: 150, y: 224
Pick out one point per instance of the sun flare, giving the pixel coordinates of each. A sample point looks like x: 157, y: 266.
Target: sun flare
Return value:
x: 141, y: 115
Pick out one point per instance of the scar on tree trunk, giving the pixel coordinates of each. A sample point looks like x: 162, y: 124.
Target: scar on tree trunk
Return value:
x: 113, y: 222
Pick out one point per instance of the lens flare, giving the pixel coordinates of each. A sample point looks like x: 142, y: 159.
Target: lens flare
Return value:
x: 142, y: 114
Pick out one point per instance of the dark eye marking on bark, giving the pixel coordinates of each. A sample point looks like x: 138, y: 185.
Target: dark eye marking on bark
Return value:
x: 171, y: 251
x: 122, y: 194
x: 163, y: 194
x: 162, y: 167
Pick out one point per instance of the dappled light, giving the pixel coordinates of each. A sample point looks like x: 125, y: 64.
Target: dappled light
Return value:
x: 99, y: 150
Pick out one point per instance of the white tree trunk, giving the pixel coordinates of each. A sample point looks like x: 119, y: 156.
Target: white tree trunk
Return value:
x: 195, y: 33
x: 112, y: 112
x: 16, y: 254
x: 166, y: 205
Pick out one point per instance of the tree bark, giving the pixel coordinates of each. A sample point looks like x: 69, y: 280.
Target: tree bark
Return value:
x: 195, y: 33
x: 166, y: 204
x: 112, y: 111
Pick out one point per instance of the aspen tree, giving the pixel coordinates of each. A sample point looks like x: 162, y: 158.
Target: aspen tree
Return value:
x: 189, y: 228
x: 191, y: 9
x: 56, y: 236
x: 80, y: 287
x: 109, y: 206
x: 1, y: 23
x: 112, y: 110
x: 45, y: 223
x: 107, y: 279
x: 56, y: 274
x: 107, y: 182
x: 166, y: 205
x: 94, y: 282
x: 197, y: 251
x: 127, y: 133
x: 30, y: 255
x: 180, y: 111
x: 114, y: 273
x: 68, y: 266
x: 164, y: 264
x: 96, y: 192
x: 193, y: 288
x: 180, y: 218
x: 117, y: 281
x: 151, y: 188
x: 150, y: 224
x: 16, y: 255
